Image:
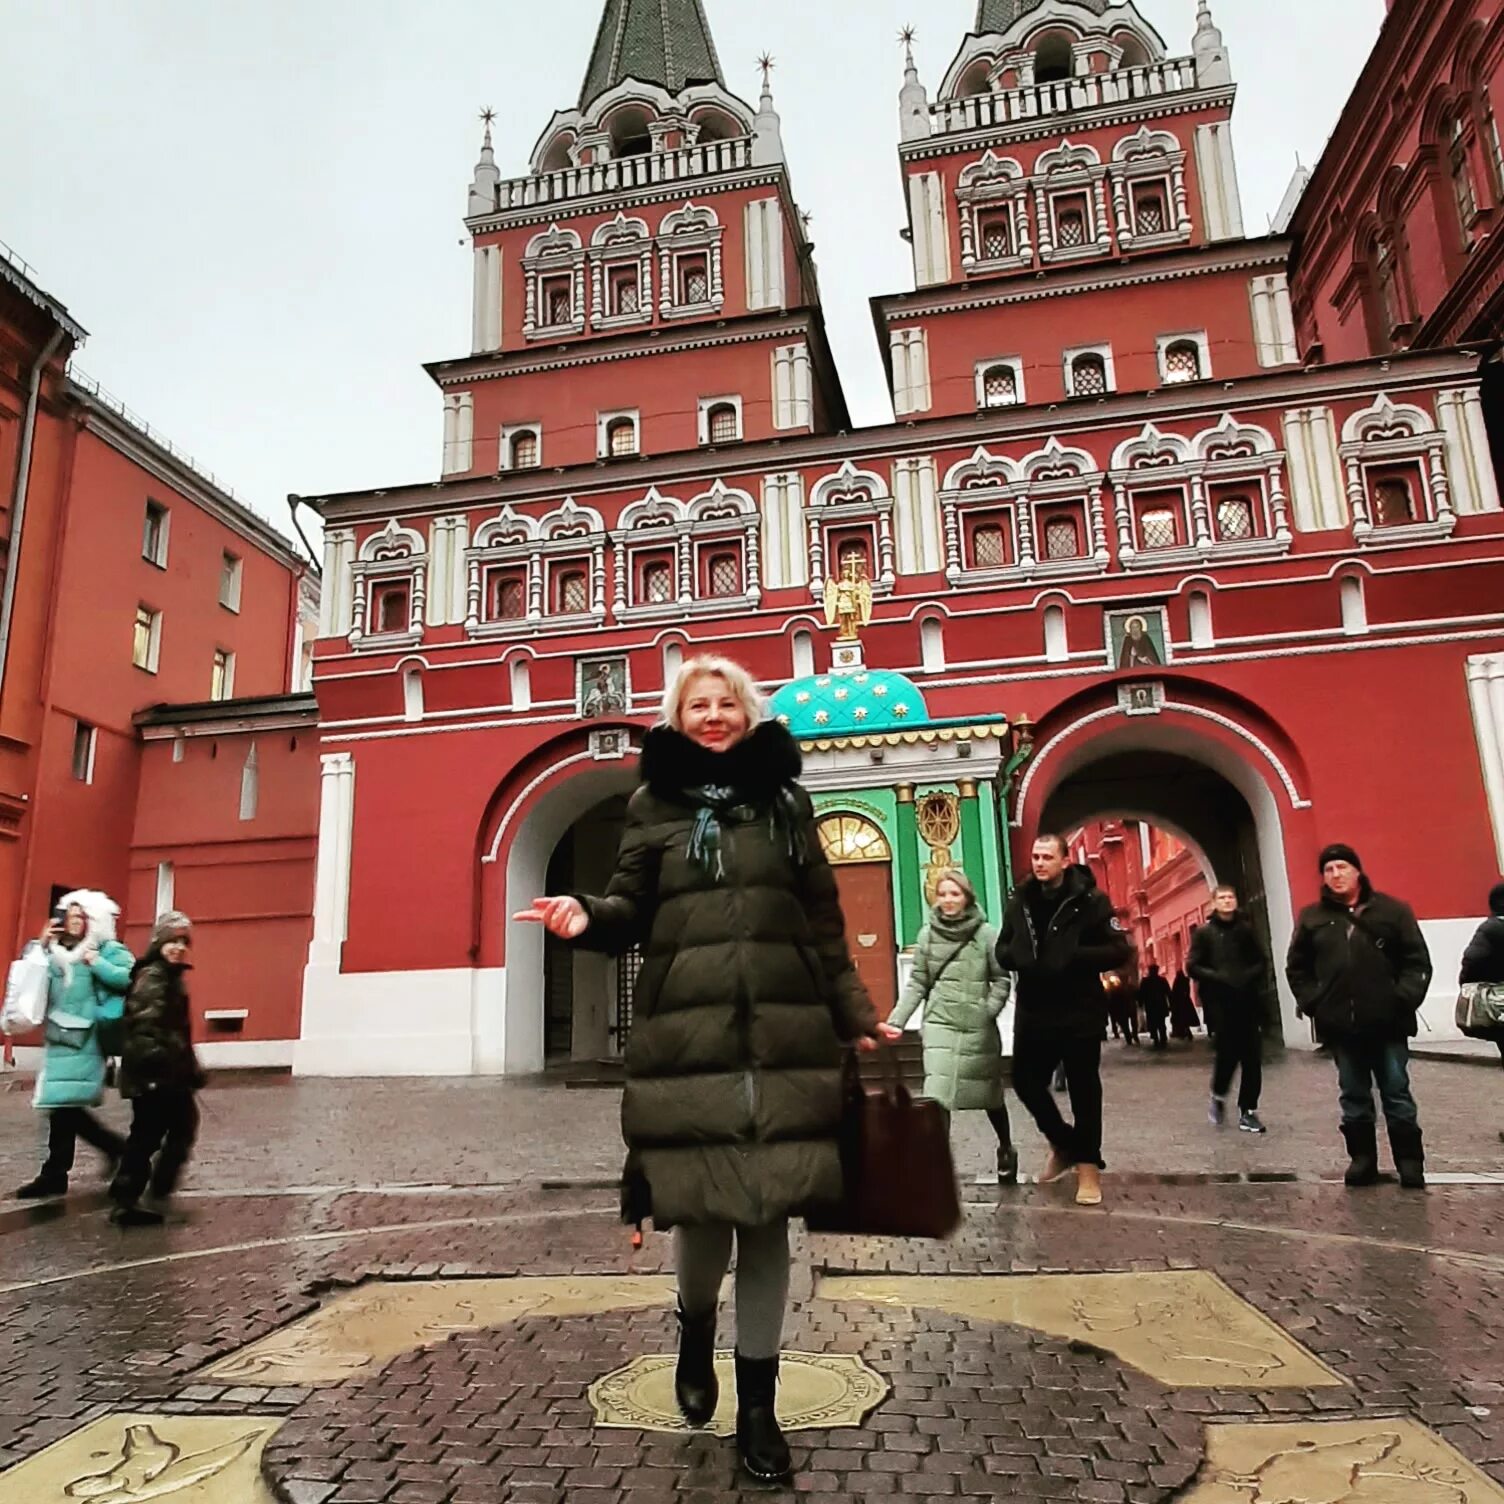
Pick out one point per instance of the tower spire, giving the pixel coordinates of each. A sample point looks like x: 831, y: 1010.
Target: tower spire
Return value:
x: 1213, y: 66
x: 767, y: 127
x: 913, y: 101
x: 663, y: 42
x: 487, y: 180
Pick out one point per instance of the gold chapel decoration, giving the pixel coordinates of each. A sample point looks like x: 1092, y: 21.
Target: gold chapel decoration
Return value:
x: 848, y: 600
x: 849, y: 838
x: 938, y: 816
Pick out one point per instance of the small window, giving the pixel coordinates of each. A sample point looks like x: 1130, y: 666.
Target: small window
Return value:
x: 1056, y: 638
x: 1072, y: 218
x: 722, y: 424
x: 725, y: 573
x: 154, y: 534
x: 1150, y: 210
x: 1088, y: 376
x: 1158, y: 526
x: 222, y: 675
x: 693, y: 280
x: 1062, y: 538
x: 524, y: 455
x: 571, y: 592
x: 1182, y: 362
x: 621, y: 437
x: 1462, y: 180
x: 1235, y: 519
x: 995, y: 232
x: 657, y: 582
x: 558, y: 301
x: 626, y: 291
x: 250, y: 784
x: 999, y: 387
x: 146, y: 643
x: 391, y: 609
x: 166, y: 887
x: 83, y: 751
x: 506, y: 596
x: 1393, y: 501
x: 1386, y: 278
x: 802, y: 654
x: 989, y: 544
x: 231, y: 567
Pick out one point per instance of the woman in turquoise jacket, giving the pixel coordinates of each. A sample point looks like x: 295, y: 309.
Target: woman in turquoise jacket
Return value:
x: 89, y: 973
x: 957, y: 978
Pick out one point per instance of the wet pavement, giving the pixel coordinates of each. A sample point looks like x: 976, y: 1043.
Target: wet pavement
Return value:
x: 435, y: 1327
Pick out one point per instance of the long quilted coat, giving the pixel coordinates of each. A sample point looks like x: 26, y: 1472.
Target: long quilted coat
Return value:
x: 963, y: 1052
x: 733, y: 1090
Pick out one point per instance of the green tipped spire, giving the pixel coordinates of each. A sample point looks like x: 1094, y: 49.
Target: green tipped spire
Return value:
x: 995, y: 16
x: 664, y: 42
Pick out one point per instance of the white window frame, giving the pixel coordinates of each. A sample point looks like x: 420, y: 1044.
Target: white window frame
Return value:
x: 92, y: 741
x: 705, y: 405
x: 227, y: 682
x: 508, y: 433
x: 236, y: 578
x: 159, y: 558
x: 1196, y: 337
x: 1015, y: 364
x: 153, y: 640
x: 603, y: 422
x: 1069, y: 358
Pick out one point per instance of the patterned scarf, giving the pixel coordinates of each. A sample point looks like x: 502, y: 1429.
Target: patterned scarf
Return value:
x: 717, y: 802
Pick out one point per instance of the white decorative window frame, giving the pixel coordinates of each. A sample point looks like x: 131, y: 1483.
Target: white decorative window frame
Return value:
x: 1195, y: 337
x: 1141, y: 699
x: 508, y: 540
x: 603, y: 422
x: 1071, y: 169
x: 621, y: 242
x: 982, y: 482
x: 706, y: 404
x: 1390, y: 433
x: 554, y: 252
x: 691, y: 231
x: 1013, y: 363
x: 511, y: 431
x: 1150, y: 155
x: 1069, y: 357
x: 394, y: 553
x: 994, y: 182
x: 850, y: 496
x: 610, y: 746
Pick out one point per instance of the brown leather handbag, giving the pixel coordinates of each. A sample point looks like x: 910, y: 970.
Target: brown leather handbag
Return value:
x: 900, y: 1180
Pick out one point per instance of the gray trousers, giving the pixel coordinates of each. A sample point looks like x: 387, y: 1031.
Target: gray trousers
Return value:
x: 703, y: 1255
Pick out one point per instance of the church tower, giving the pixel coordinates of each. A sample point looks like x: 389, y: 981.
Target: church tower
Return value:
x: 646, y: 286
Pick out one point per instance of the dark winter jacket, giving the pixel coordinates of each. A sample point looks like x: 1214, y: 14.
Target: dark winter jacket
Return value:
x: 1360, y: 974
x: 1229, y: 964
x: 747, y: 989
x: 158, y: 1051
x: 1483, y: 960
x: 1060, y: 971
x: 1154, y: 998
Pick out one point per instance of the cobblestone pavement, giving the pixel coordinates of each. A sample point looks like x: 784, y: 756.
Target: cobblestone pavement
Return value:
x: 1400, y: 1294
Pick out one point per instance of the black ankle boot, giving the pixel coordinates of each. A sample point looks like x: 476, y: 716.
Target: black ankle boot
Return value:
x: 695, y: 1385
x: 46, y: 1184
x: 1409, y: 1152
x: 1007, y: 1165
x: 1363, y: 1150
x: 759, y: 1441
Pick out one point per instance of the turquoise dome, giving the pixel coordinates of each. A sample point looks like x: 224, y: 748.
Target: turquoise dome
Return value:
x: 856, y: 704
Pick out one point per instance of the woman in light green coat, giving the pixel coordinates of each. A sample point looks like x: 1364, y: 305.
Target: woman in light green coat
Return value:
x: 964, y: 991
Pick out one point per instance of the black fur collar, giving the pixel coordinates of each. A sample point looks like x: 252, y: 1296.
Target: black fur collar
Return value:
x: 757, y: 766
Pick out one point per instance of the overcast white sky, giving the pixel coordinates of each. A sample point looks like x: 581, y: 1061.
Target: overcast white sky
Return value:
x: 255, y: 205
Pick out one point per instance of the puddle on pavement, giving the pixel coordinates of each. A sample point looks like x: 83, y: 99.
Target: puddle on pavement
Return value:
x: 130, y: 1459
x: 1337, y: 1462
x: 1184, y: 1328
x: 816, y: 1391
x: 364, y: 1328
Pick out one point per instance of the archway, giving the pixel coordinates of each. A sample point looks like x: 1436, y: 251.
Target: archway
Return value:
x: 863, y: 864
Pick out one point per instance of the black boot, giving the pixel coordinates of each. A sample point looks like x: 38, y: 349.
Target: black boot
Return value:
x: 1007, y: 1165
x: 47, y: 1183
x: 1363, y: 1149
x: 695, y: 1385
x: 764, y: 1452
x: 1409, y: 1154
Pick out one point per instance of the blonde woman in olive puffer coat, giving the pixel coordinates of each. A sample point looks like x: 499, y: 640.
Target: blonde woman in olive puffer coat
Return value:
x: 963, y: 990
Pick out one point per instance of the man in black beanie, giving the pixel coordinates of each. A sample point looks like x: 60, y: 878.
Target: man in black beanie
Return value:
x: 1359, y: 967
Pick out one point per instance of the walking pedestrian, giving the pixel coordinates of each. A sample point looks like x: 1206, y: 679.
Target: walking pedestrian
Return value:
x: 1059, y: 935
x: 963, y: 990
x: 733, y: 1070
x: 1154, y: 995
x: 1122, y: 1006
x: 1183, y: 1017
x: 1483, y: 960
x: 1231, y: 967
x: 1359, y: 967
x: 159, y: 1075
x: 88, y: 971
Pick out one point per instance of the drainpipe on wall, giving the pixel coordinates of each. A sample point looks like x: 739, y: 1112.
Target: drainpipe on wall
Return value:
x: 18, y: 505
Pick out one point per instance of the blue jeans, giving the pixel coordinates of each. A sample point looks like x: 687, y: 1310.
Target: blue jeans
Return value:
x: 1364, y: 1064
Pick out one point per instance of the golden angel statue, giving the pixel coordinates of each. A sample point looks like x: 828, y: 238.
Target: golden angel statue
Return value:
x: 848, y: 600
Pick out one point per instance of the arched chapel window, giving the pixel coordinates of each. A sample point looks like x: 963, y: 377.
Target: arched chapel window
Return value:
x: 1062, y: 539
x: 524, y: 450
x: 1234, y: 518
x: 1461, y: 172
x: 722, y: 425
x: 999, y: 386
x: 1088, y: 376
x: 621, y: 437
x: 657, y: 583
x: 1182, y: 362
x: 571, y: 592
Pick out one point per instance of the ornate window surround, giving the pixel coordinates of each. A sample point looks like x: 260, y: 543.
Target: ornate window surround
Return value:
x: 1232, y: 452
x: 692, y: 229
x: 1150, y: 154
x: 1197, y: 337
x: 509, y: 432
x: 1071, y: 169
x: 1388, y: 433
x: 394, y: 553
x: 849, y: 495
x: 1013, y: 363
x: 553, y: 252
x: 994, y: 182
x: 620, y: 242
x: 510, y: 538
x: 707, y: 405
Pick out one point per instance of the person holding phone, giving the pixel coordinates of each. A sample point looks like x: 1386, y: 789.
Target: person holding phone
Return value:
x: 88, y: 972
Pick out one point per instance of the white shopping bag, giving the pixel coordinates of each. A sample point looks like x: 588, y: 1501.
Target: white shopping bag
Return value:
x: 25, y: 993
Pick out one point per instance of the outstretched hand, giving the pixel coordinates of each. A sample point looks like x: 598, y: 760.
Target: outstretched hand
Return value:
x: 564, y: 917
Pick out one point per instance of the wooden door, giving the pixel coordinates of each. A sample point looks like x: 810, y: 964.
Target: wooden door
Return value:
x: 867, y: 902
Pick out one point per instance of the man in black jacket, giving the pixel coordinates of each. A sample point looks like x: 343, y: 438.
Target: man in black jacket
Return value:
x: 1154, y: 998
x: 1359, y: 967
x: 1059, y: 936
x: 1230, y: 966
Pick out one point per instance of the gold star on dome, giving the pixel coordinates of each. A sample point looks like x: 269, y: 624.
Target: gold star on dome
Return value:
x: 821, y: 717
x: 783, y: 720
x: 879, y: 689
x: 802, y: 698
x: 860, y: 713
x: 842, y: 694
x: 822, y: 683
x: 860, y: 679
x: 900, y: 710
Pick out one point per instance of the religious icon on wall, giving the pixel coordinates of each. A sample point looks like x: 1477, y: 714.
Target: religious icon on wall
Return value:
x: 602, y: 688
x: 1138, y: 638
x: 848, y: 599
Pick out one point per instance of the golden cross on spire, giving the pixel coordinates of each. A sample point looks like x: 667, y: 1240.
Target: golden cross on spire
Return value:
x: 767, y: 63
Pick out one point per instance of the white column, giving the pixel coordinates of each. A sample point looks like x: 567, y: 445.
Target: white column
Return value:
x: 464, y: 434
x: 764, y: 241
x: 930, y: 231
x: 1316, y: 485
x: 1217, y: 168
x: 485, y: 330
x: 785, y: 561
x: 1273, y: 320
x: 911, y: 371
x: 1485, y: 690
x: 451, y: 430
x: 336, y: 590
x: 1468, y: 464
x: 436, y: 604
x: 331, y: 883
x: 917, y: 515
x: 792, y: 405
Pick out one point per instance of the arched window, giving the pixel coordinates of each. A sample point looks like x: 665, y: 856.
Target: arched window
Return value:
x: 975, y: 80
x: 412, y: 694
x: 1234, y: 518
x: 571, y: 592
x: 931, y: 644
x: 995, y: 233
x: 1052, y: 59
x: 522, y: 684
x: 1158, y: 528
x: 1354, y: 607
x: 721, y: 424
x: 850, y: 838
x: 854, y: 551
x: 524, y: 450
x: 508, y: 598
x: 657, y: 583
x: 804, y: 655
x: 1088, y: 376
x: 1151, y: 215
x: 1200, y: 604
x: 673, y: 661
x: 1393, y: 502
x: 1070, y: 222
x: 250, y: 784
x: 999, y: 387
x: 391, y: 606
x: 1062, y: 538
x: 989, y: 548
x: 724, y: 571
x: 1056, y: 643
x: 1461, y: 173
x: 1386, y: 284
x: 621, y: 436
x: 1182, y: 362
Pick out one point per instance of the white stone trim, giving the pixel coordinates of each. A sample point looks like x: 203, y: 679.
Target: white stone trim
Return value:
x: 916, y: 515
x: 765, y: 254
x: 702, y: 418
x: 337, y: 595
x: 1474, y: 486
x: 911, y: 370
x: 1217, y: 167
x: 1317, y: 494
x: 1485, y: 689
x: 1195, y: 337
x: 449, y: 537
x: 793, y: 398
x: 331, y: 884
x: 485, y: 332
x: 459, y: 432
x: 1273, y: 320
x: 1069, y: 356
x: 785, y: 559
x: 931, y: 234
x: 1013, y: 363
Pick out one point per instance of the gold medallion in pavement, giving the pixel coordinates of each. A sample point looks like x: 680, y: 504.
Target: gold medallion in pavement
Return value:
x: 131, y: 1459
x: 1183, y: 1327
x: 816, y: 1391
x: 363, y: 1329
x: 1337, y: 1462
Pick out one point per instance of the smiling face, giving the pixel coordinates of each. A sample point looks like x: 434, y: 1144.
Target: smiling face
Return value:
x: 951, y: 897
x: 175, y: 950
x: 710, y: 714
